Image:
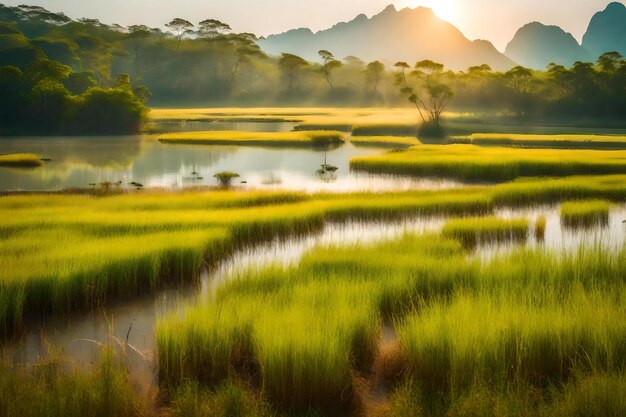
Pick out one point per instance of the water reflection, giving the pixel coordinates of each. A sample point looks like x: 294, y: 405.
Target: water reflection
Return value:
x: 80, y: 161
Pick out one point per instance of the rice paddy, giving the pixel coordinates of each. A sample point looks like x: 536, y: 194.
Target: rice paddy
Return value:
x: 543, y: 141
x: 474, y: 163
x: 312, y: 138
x: 23, y: 160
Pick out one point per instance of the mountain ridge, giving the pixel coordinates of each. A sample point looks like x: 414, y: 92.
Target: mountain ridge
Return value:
x: 390, y: 36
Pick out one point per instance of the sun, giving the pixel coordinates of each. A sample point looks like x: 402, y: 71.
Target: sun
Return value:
x: 444, y: 9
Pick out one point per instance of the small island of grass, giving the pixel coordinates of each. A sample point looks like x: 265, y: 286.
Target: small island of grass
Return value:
x: 311, y: 138
x: 20, y: 160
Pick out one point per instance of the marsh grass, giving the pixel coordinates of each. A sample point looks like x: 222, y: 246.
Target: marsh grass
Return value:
x: 61, y: 253
x: 477, y: 230
x: 384, y: 141
x: 300, y: 138
x: 540, y: 228
x: 543, y: 141
x: 385, y: 129
x: 531, y: 317
x: 20, y: 160
x: 492, y: 164
x: 56, y: 388
x: 585, y: 213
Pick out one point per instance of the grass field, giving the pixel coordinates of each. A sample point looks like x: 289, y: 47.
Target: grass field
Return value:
x: 475, y: 163
x: 543, y: 141
x: 22, y: 160
x: 312, y: 138
x: 472, y: 231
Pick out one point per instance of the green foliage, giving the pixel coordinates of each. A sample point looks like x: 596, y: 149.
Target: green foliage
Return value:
x: 585, y: 213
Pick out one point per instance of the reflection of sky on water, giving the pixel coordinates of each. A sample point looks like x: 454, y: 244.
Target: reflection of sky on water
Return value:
x: 80, y: 161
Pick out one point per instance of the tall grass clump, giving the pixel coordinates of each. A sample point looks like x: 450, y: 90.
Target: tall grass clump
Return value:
x: 585, y: 213
x: 502, y: 341
x: 540, y: 228
x: 472, y: 231
x: 20, y: 160
x: 474, y: 163
x: 57, y: 389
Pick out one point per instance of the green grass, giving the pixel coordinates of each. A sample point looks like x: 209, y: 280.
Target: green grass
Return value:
x: 63, y: 253
x: 20, y: 160
x: 385, y: 141
x: 531, y: 318
x: 543, y: 141
x: 51, y: 389
x: 585, y: 213
x: 385, y: 129
x: 540, y: 228
x: 312, y: 138
x: 472, y: 231
x: 474, y: 163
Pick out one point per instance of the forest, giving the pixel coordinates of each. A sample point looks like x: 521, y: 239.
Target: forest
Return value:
x: 56, y: 72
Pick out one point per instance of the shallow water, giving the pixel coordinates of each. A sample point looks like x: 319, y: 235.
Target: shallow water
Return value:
x: 77, y: 162
x: 74, y: 336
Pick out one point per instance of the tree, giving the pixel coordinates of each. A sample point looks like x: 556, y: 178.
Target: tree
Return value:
x: 135, y: 34
x: 353, y: 61
x: 290, y: 65
x: 519, y: 78
x: 373, y: 73
x: 245, y: 49
x: 212, y: 30
x: 79, y: 82
x: 330, y: 64
x: 610, y: 62
x: 438, y: 93
x: 180, y: 27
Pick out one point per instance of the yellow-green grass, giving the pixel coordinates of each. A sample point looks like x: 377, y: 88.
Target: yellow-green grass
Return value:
x: 385, y: 129
x: 472, y: 231
x: 57, y: 389
x: 313, y: 138
x: 493, y: 164
x: 529, y: 318
x: 544, y: 141
x: 385, y: 141
x: 20, y: 160
x: 585, y: 213
x: 313, y: 116
x: 63, y: 252
x: 540, y: 228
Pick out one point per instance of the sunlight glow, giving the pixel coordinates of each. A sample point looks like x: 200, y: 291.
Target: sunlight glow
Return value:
x: 444, y: 9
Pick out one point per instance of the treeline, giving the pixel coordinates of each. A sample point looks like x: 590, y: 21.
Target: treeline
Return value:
x: 205, y: 63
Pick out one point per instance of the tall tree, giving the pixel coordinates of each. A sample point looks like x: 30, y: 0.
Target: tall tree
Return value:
x: 180, y: 27
x: 330, y: 64
x: 212, y: 30
x: 374, y: 72
x: 245, y: 49
x: 135, y: 34
x: 290, y: 65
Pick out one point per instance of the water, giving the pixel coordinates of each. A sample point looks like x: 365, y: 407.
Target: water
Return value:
x: 75, y: 336
x: 78, y: 162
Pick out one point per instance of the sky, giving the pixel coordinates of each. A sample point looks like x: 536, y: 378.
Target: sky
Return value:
x: 494, y: 20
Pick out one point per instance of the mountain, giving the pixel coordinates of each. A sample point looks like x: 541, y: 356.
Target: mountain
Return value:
x: 393, y: 35
x: 607, y: 31
x: 537, y: 45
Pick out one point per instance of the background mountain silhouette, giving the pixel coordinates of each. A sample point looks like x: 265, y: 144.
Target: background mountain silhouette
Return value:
x: 536, y: 45
x: 607, y: 31
x: 390, y: 36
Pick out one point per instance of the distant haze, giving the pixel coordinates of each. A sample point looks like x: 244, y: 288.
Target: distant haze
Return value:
x: 494, y: 20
